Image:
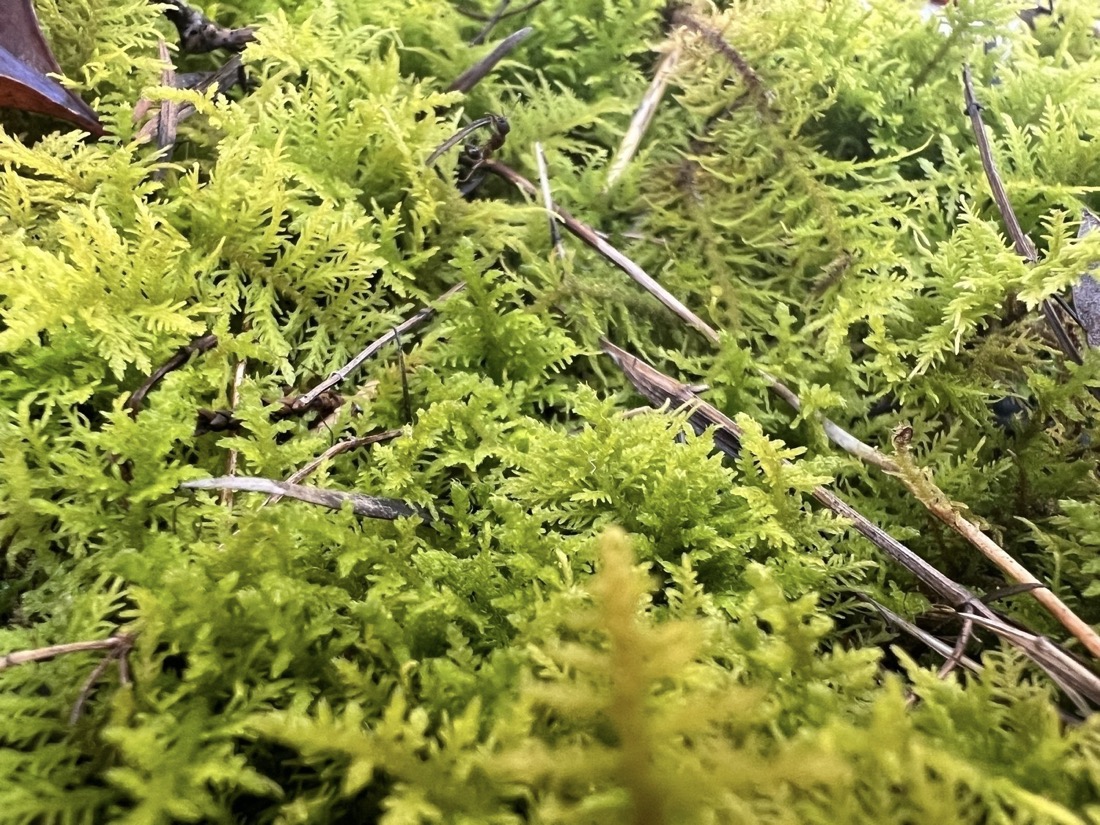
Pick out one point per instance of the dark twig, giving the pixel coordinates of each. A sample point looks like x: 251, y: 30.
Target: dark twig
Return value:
x: 683, y: 16
x: 86, y: 688
x: 1011, y: 590
x: 498, y: 124
x: 482, y: 16
x: 473, y: 75
x: 548, y: 201
x: 957, y: 654
x: 406, y: 397
x: 409, y: 324
x: 223, y: 80
x: 938, y: 645
x: 361, y: 505
x: 1024, y: 247
x: 336, y: 449
x: 203, y: 343
x: 589, y: 236
x: 168, y: 114
x: 494, y: 18
x: 200, y: 34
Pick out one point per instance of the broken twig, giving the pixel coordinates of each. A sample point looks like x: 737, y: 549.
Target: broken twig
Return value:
x: 223, y: 80
x: 336, y: 449
x: 643, y: 115
x: 361, y: 505
x: 409, y: 324
x: 621, y: 261
x: 1024, y: 247
x: 199, y: 34
x: 473, y: 75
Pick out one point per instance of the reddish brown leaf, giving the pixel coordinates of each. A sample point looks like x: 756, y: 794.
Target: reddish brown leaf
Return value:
x: 25, y: 65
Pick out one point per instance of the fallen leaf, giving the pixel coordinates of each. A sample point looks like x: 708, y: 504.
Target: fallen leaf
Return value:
x: 26, y: 64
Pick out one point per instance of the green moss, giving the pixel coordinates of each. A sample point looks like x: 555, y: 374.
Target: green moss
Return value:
x: 521, y: 659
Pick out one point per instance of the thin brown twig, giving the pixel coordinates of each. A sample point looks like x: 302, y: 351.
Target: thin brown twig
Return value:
x: 1024, y: 247
x: 117, y: 655
x: 938, y: 645
x: 204, y: 343
x: 682, y: 15
x: 621, y: 261
x: 956, y: 657
x: 473, y: 75
x: 346, y: 445
x: 494, y: 18
x: 419, y: 319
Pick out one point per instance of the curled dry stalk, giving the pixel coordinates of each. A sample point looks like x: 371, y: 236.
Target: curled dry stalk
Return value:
x: 204, y: 343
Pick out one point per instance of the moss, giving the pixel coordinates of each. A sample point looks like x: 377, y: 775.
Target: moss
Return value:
x: 521, y: 659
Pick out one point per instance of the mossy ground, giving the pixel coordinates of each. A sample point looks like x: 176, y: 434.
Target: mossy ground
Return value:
x: 520, y: 659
